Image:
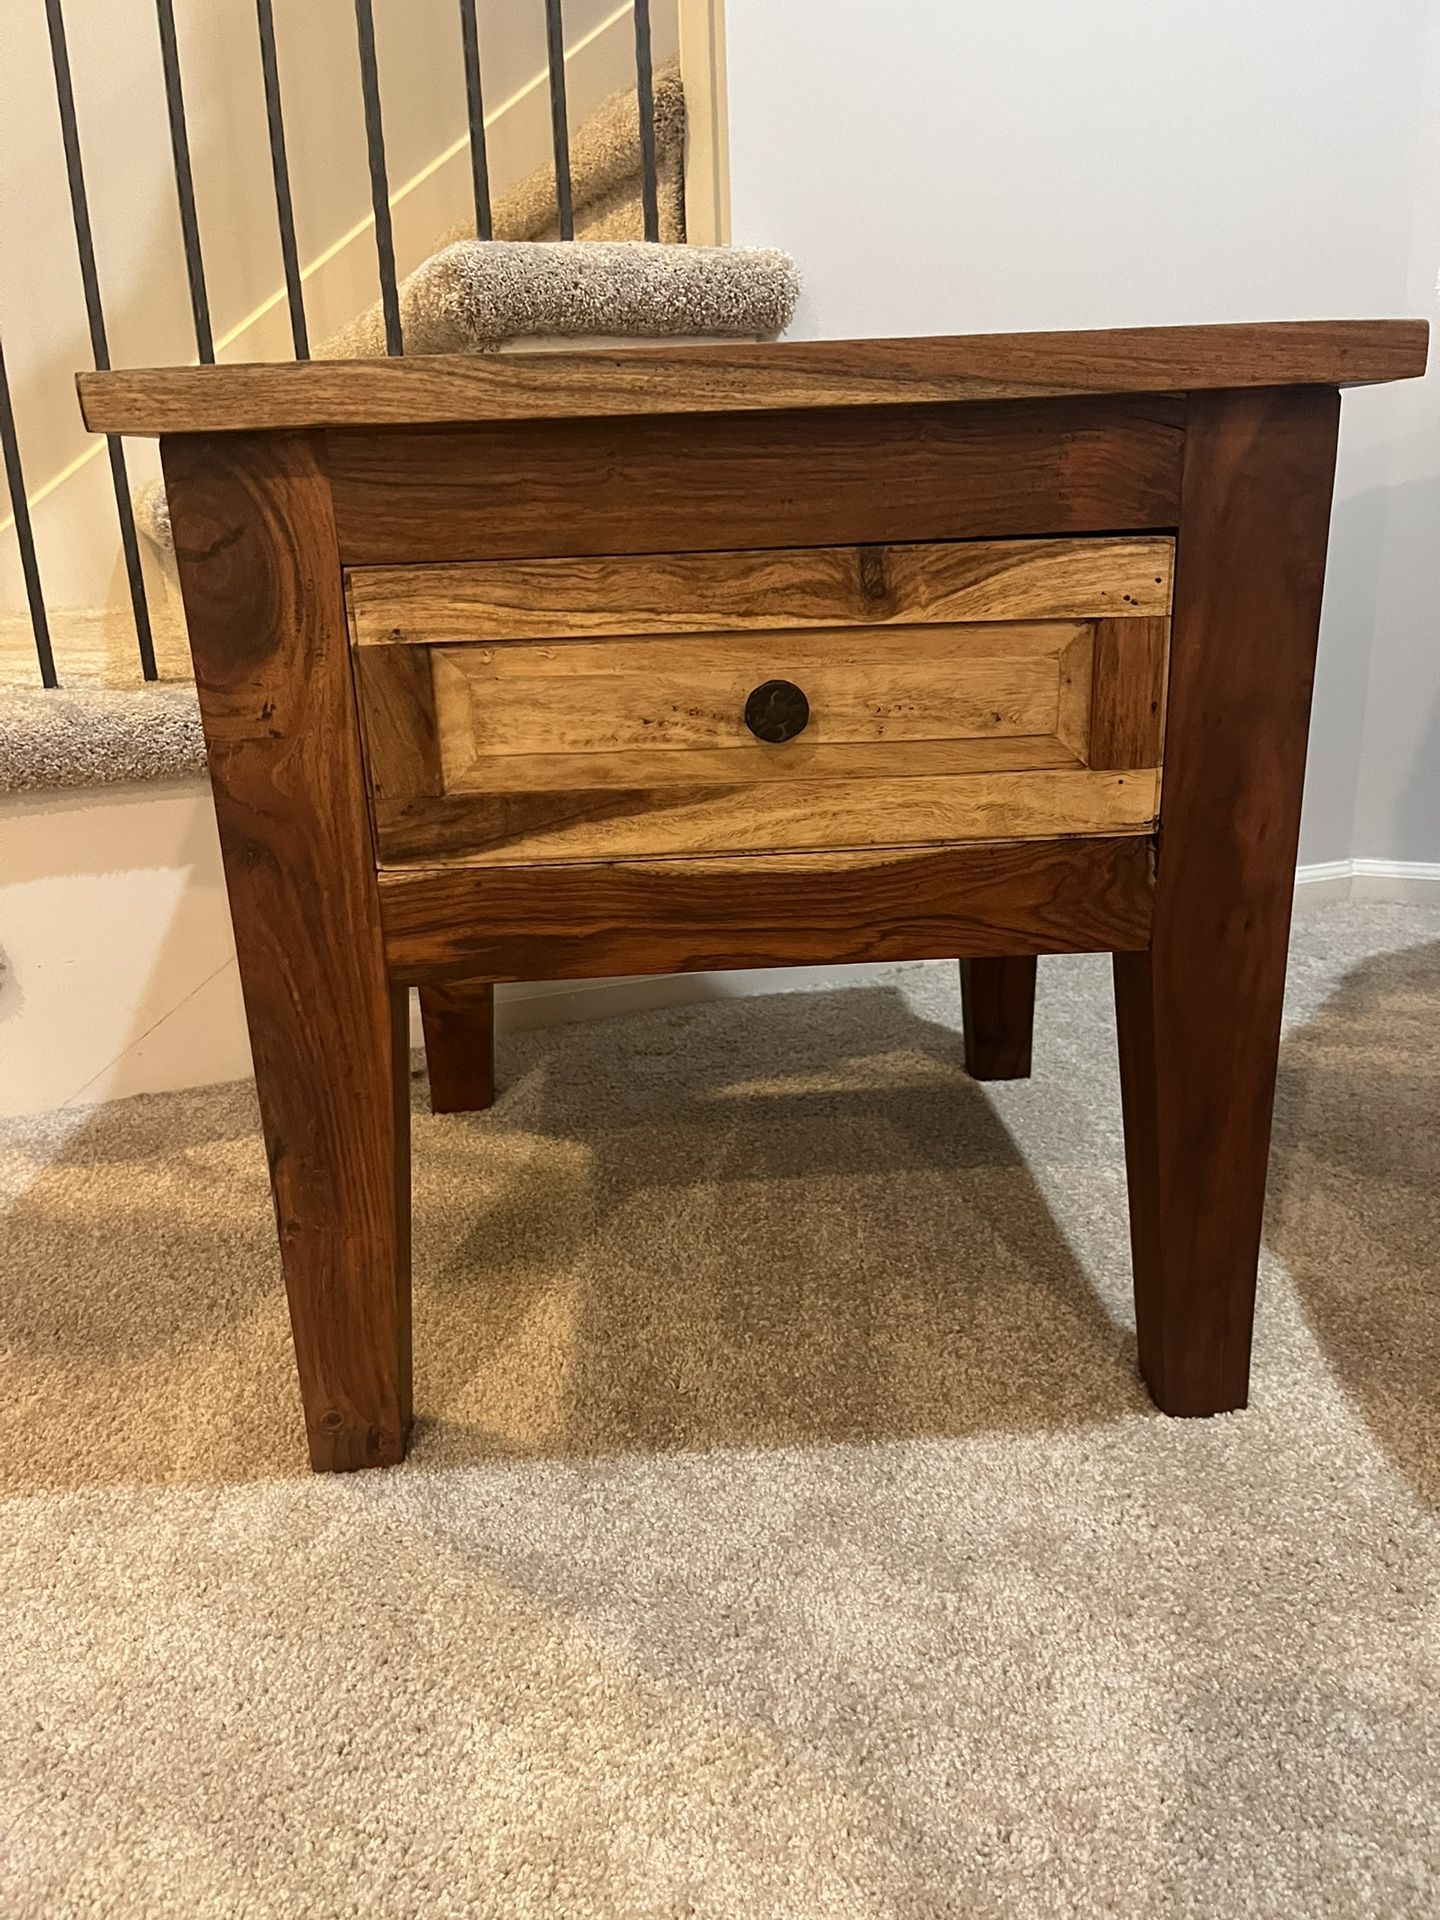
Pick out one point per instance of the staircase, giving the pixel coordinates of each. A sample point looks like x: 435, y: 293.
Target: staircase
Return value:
x: 522, y: 289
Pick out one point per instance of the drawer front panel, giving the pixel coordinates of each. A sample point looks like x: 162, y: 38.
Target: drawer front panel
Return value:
x: 767, y: 588
x: 643, y: 698
x: 523, y: 712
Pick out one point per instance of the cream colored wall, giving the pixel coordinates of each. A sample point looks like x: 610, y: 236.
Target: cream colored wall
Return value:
x: 120, y: 100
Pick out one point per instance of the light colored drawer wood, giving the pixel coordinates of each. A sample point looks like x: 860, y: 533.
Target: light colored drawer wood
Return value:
x: 624, y: 697
x: 764, y: 589
x: 539, y: 711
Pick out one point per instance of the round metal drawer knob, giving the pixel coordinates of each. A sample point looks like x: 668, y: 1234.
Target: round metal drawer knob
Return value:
x: 776, y: 711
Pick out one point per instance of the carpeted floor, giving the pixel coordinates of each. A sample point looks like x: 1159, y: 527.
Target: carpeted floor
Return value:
x: 786, y: 1534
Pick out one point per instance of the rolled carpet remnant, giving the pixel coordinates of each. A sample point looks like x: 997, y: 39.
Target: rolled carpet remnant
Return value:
x: 475, y: 294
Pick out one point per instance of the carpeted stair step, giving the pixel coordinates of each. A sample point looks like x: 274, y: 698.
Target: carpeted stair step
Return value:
x: 97, y: 737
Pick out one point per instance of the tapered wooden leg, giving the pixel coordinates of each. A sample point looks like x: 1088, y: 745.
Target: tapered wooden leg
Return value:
x: 260, y: 573
x: 998, y: 998
x: 1199, y: 1014
x: 459, y: 1022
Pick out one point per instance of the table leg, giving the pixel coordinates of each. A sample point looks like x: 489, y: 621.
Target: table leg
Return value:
x: 459, y: 1021
x: 1199, y: 1013
x: 998, y: 997
x: 260, y: 574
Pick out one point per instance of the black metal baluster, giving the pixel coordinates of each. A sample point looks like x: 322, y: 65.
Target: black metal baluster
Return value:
x: 645, y: 95
x: 379, y: 185
x: 184, y: 181
x: 85, y: 247
x: 475, y: 107
x: 559, y: 120
x: 280, y: 169
x: 24, y: 533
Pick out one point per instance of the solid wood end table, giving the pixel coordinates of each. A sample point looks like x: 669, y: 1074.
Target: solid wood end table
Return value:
x: 554, y: 666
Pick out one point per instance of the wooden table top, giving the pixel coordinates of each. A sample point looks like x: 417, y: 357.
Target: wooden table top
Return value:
x: 743, y: 378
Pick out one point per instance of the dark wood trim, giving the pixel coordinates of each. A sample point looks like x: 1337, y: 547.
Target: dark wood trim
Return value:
x: 679, y: 916
x: 260, y: 575
x: 745, y: 377
x: 1127, y: 694
x: 1199, y: 1013
x: 864, y: 476
x: 998, y: 997
x: 458, y: 1017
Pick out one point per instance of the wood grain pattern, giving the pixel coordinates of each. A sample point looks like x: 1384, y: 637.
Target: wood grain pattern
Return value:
x: 613, y: 823
x: 1127, y: 693
x: 746, y: 377
x: 1199, y: 1013
x: 676, y: 916
x: 458, y: 1018
x: 627, y: 747
x: 998, y: 998
x: 1075, y: 670
x: 396, y: 691
x: 658, y: 593
x: 583, y: 487
x: 717, y: 767
x: 260, y: 576
x: 652, y: 697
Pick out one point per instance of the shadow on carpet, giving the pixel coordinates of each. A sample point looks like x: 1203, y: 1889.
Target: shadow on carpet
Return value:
x: 745, y: 1224
x: 762, y: 1223
x: 1354, y: 1199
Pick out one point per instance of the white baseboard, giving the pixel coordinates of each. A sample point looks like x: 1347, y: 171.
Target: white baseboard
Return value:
x: 1325, y: 880
x: 1396, y: 880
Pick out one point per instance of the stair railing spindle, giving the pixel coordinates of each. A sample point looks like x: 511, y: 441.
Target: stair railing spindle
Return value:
x: 280, y: 173
x: 559, y: 118
x: 645, y: 97
x: 95, y: 313
x: 379, y: 184
x: 184, y: 181
x: 475, y: 108
x: 24, y: 532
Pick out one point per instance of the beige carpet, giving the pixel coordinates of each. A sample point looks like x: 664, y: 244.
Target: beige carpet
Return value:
x: 786, y: 1533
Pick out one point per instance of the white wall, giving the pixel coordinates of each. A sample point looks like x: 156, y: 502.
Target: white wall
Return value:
x: 938, y: 167
x: 1397, y: 810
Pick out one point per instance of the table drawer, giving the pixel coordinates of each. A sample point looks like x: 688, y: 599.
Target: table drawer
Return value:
x: 746, y: 702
